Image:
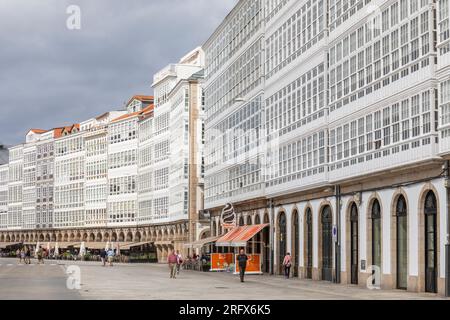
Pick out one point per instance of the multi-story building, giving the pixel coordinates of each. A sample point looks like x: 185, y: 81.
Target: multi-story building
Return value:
x: 96, y: 189
x: 134, y: 176
x: 4, y: 173
x: 354, y: 142
x: 177, y: 143
x: 69, y: 210
x: 15, y: 187
x: 45, y: 159
x: 29, y: 183
x: 123, y: 136
x: 234, y: 106
x: 175, y: 147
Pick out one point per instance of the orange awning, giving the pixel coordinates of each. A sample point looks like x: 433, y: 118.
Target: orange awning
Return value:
x: 239, y: 236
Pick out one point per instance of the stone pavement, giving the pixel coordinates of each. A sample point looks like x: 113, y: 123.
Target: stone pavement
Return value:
x: 34, y: 282
x: 135, y: 282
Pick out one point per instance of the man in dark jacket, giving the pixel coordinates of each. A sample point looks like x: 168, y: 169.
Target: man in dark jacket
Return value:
x: 103, y: 257
x: 242, y: 261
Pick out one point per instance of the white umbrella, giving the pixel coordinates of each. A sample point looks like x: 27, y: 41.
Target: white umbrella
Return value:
x: 82, y: 249
x: 37, y: 248
x: 56, y: 253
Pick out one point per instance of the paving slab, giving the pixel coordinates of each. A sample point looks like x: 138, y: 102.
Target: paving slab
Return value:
x: 151, y: 281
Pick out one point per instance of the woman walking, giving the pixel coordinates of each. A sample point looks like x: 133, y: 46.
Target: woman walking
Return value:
x: 287, y: 263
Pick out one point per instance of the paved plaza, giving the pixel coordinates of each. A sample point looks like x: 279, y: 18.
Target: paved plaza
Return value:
x: 151, y: 281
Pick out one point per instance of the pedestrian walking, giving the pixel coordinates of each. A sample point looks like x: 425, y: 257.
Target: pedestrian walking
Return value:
x: 28, y: 256
x: 103, y: 257
x: 242, y: 259
x: 110, y: 257
x: 179, y: 261
x: 40, y: 255
x: 287, y: 263
x: 172, y: 260
x: 18, y: 255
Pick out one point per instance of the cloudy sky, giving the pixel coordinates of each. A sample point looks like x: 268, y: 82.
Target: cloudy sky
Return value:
x: 51, y: 76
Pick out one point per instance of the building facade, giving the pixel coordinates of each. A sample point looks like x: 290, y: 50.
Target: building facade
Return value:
x: 4, y: 173
x: 354, y: 132
x: 45, y: 159
x: 133, y: 176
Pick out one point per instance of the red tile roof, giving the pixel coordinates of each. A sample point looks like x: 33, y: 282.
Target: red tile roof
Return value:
x: 141, y: 98
x: 58, y: 132
x: 143, y: 112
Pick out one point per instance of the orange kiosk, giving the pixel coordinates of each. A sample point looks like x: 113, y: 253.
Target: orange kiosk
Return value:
x: 239, y: 237
x: 236, y: 237
x: 221, y: 261
x: 253, y: 264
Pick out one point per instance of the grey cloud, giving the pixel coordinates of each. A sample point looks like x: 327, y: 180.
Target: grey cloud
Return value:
x: 51, y: 76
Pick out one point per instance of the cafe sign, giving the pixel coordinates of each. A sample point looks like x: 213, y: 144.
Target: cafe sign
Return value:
x: 228, y: 217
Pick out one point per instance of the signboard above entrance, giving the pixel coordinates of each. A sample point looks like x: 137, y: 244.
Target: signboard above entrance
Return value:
x: 228, y: 217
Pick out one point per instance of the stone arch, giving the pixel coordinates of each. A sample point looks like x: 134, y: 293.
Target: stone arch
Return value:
x: 99, y: 237
x: 204, y: 234
x: 325, y: 274
x: 165, y: 234
x: 41, y: 237
x: 241, y: 221
x: 113, y: 237
x: 86, y: 236
x: 349, y: 220
x: 138, y: 237
x: 370, y: 203
x: 249, y: 221
x: 257, y: 219
x: 47, y: 237
x: 121, y: 236
x: 266, y: 217
x: 91, y: 237
x: 440, y: 285
x: 281, y: 241
x: 129, y: 237
x: 400, y: 192
x: 2, y: 238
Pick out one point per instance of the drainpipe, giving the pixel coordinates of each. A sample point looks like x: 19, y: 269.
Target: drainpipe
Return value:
x: 447, y: 244
x: 272, y: 226
x: 337, y: 247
